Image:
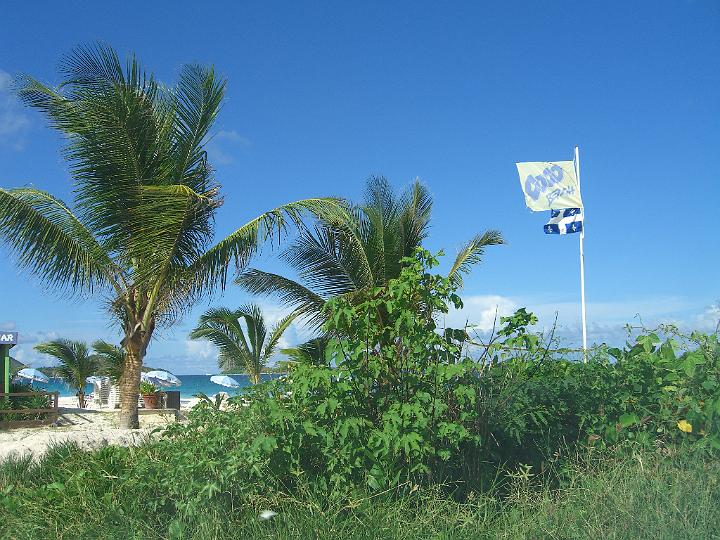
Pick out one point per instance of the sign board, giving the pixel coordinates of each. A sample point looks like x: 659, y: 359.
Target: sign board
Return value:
x: 8, y: 338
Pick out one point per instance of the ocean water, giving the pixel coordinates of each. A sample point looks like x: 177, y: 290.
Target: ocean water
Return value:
x: 191, y: 385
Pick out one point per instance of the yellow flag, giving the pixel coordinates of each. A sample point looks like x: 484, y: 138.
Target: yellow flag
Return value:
x: 549, y: 185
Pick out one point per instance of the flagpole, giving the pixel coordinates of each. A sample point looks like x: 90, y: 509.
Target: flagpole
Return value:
x: 582, y: 262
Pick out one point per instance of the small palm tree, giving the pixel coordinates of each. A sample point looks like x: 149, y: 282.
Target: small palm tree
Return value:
x: 360, y: 252
x: 140, y: 232
x: 111, y: 358
x: 242, y: 338
x: 76, y: 363
x: 314, y: 351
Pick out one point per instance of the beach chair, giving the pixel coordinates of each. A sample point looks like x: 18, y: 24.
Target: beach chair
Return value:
x: 101, y: 392
x: 114, y: 398
x: 113, y: 401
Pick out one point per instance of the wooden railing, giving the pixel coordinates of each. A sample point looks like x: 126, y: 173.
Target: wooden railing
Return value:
x: 49, y: 415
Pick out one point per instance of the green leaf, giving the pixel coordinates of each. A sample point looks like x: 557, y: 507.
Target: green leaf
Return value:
x: 629, y: 419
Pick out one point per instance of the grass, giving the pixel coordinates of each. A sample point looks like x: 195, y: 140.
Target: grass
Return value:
x: 645, y: 496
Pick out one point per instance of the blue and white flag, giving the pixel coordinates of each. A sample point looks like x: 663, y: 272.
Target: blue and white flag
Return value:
x: 566, y: 221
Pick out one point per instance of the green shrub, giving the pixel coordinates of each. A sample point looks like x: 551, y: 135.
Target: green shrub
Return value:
x: 400, y: 402
x: 18, y: 403
x: 147, y: 387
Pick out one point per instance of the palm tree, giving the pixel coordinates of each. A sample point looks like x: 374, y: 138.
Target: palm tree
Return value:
x: 111, y: 358
x: 246, y: 346
x: 140, y: 233
x: 360, y: 252
x: 76, y: 363
x: 313, y: 351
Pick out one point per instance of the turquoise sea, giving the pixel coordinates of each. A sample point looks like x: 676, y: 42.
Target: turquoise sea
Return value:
x: 191, y: 385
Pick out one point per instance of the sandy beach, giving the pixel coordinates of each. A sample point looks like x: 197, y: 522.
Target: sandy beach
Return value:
x: 89, y: 428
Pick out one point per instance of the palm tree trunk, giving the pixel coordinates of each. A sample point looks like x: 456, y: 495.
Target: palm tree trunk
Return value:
x: 81, y: 399
x: 130, y: 383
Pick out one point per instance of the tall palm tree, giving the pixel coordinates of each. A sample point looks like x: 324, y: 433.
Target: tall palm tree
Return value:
x: 361, y: 251
x: 242, y: 338
x: 76, y: 363
x: 140, y: 232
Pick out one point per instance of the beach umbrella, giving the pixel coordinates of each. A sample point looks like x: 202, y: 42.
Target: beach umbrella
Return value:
x: 33, y: 375
x: 224, y: 380
x: 161, y: 378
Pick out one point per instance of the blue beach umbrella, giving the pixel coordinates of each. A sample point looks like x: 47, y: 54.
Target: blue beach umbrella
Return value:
x: 224, y: 380
x: 161, y: 378
x: 32, y: 374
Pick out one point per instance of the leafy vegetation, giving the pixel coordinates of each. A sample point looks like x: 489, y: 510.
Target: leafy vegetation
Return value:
x: 351, y: 256
x: 247, y: 346
x: 147, y: 388
x: 111, y: 358
x: 140, y: 230
x: 76, y: 363
x: 387, y: 425
x: 405, y: 429
x: 19, y: 403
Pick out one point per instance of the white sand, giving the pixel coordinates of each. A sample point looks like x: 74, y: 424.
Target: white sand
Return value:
x: 90, y: 428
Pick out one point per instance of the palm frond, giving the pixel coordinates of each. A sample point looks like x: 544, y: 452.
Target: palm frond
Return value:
x: 414, y: 220
x: 52, y: 243
x: 304, y: 302
x: 118, y: 127
x: 276, y: 335
x: 222, y: 328
x: 76, y: 365
x: 198, y: 98
x: 173, y: 228
x: 324, y: 262
x: 111, y: 358
x: 313, y: 351
x: 256, y: 331
x: 472, y: 253
x: 211, y: 269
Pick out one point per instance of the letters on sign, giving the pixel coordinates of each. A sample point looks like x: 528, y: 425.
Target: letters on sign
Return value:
x: 8, y: 338
x: 536, y: 185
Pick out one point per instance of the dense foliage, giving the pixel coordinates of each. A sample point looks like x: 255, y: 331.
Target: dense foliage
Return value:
x: 72, y: 494
x: 402, y: 403
x: 409, y: 415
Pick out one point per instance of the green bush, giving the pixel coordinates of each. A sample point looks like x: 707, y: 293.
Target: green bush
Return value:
x: 406, y: 418
x: 400, y: 402
x: 18, y: 403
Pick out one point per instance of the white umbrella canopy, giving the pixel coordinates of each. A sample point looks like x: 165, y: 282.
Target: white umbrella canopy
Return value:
x: 161, y: 378
x: 96, y: 379
x: 224, y: 380
x: 32, y: 374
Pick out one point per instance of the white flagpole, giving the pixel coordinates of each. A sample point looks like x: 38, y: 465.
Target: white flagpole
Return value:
x: 582, y: 262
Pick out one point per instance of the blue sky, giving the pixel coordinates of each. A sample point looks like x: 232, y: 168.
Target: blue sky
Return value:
x: 322, y: 96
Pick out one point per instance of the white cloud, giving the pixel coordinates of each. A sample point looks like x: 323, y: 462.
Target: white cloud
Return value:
x: 606, y: 320
x: 709, y: 319
x: 222, y: 145
x: 232, y: 136
x: 200, y: 349
x: 13, y: 120
x: 481, y: 312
